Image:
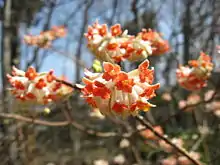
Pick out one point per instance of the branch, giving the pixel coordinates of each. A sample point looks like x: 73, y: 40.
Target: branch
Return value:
x: 180, y: 150
x: 35, y: 121
x: 74, y: 58
x: 68, y: 84
x: 58, y: 124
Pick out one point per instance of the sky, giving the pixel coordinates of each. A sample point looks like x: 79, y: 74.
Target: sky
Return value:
x: 68, y: 44
x: 101, y: 10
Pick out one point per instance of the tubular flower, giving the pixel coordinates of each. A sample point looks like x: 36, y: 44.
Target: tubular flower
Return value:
x: 36, y: 87
x: 194, y: 76
x: 159, y: 46
x: 118, y: 92
x: 44, y: 39
x: 114, y: 45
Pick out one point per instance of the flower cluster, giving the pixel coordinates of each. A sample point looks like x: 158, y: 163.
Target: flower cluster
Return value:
x: 44, y: 39
x: 118, y: 92
x: 36, y: 87
x: 115, y: 46
x: 158, y: 44
x: 194, y: 76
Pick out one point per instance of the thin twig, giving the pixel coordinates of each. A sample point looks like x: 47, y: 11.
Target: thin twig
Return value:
x: 180, y: 150
x: 35, y: 121
x: 66, y: 54
x: 68, y: 84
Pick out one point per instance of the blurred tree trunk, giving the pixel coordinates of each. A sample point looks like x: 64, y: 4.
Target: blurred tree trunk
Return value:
x: 11, y: 16
x: 187, y: 31
x: 6, y: 46
x: 6, y: 67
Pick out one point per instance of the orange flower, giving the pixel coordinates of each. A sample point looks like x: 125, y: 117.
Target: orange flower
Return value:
x: 30, y: 95
x: 18, y: 85
x: 145, y: 106
x: 31, y: 73
x: 195, y: 78
x: 117, y: 92
x: 119, y: 107
x: 36, y: 87
x: 91, y: 102
x: 50, y: 76
x: 112, y: 46
x: 44, y: 39
x: 40, y: 84
x: 116, y: 30
x: 145, y: 73
x: 150, y: 92
x: 159, y: 45
x: 193, y: 63
x: 57, y: 86
x: 101, y: 90
x: 110, y: 71
x: 103, y: 30
x: 115, y: 46
x: 124, y: 83
x: 127, y: 46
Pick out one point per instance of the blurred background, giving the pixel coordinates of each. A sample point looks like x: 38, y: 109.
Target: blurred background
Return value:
x: 190, y: 26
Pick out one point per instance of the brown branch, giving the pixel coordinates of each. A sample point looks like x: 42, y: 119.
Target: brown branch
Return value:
x: 180, y: 150
x: 35, y: 121
x: 68, y: 84
x: 58, y: 124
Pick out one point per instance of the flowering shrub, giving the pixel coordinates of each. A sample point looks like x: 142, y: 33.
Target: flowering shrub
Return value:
x: 113, y: 91
x: 159, y: 46
x: 44, y: 39
x: 195, y: 76
x: 36, y: 87
x: 116, y: 46
x: 110, y: 91
x: 117, y: 92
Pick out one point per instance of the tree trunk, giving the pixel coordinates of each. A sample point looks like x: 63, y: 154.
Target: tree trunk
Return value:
x: 187, y: 31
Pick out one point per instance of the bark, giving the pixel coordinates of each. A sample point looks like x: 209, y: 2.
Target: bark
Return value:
x: 187, y: 32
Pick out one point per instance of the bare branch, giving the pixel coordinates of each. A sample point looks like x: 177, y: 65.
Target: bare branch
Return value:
x: 58, y: 124
x: 180, y: 150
